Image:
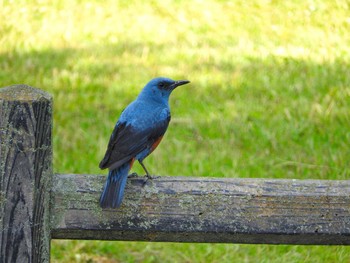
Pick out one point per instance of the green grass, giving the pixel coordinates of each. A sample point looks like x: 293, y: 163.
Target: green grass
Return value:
x: 270, y: 97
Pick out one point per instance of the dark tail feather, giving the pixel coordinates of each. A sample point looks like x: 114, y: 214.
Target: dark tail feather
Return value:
x: 113, y: 191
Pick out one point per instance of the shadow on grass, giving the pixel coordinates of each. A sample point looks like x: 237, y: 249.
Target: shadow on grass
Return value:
x: 121, y: 70
x: 136, y: 60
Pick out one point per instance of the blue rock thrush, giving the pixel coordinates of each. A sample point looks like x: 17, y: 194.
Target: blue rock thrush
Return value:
x: 137, y: 133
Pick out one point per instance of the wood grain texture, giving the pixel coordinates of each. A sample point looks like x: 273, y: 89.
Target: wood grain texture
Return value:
x: 185, y: 209
x: 25, y: 174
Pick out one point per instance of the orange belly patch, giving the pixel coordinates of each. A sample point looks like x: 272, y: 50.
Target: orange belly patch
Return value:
x: 156, y: 143
x: 132, y: 162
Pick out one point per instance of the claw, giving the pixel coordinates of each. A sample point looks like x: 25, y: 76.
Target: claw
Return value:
x: 152, y: 177
x: 149, y: 177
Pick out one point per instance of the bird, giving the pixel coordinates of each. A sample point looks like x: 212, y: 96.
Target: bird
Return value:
x: 137, y: 133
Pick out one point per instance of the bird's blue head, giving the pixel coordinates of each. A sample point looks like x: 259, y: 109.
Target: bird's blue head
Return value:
x: 159, y: 89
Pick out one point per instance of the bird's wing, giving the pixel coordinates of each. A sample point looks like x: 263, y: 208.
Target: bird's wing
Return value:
x: 126, y: 142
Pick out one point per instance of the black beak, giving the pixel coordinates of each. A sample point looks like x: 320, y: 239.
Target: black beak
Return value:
x: 179, y: 83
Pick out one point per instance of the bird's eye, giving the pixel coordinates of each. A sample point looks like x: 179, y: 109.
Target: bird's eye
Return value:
x: 161, y: 85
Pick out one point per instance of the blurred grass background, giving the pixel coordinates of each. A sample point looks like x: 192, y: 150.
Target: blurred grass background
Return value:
x: 270, y: 97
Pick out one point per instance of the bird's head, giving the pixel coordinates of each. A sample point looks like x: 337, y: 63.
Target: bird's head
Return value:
x: 159, y: 89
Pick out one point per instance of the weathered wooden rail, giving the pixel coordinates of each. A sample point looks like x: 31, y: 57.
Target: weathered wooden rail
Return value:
x: 37, y: 205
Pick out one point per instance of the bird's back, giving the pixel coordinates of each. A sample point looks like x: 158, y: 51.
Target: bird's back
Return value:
x: 138, y: 127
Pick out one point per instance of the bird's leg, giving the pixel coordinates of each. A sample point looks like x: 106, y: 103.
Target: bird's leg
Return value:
x: 147, y: 173
x: 144, y: 168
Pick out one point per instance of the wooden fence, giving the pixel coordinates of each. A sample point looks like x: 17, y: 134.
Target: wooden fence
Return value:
x: 38, y: 205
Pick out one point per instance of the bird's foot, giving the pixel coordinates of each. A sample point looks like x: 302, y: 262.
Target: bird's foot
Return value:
x: 150, y: 177
x: 133, y: 175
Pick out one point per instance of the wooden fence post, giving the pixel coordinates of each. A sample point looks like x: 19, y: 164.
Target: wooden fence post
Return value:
x: 25, y: 174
